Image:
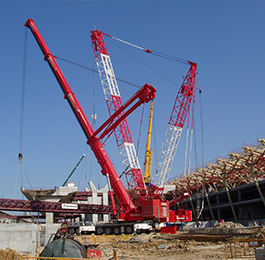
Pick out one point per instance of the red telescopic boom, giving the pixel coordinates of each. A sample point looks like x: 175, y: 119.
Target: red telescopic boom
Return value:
x: 106, y: 165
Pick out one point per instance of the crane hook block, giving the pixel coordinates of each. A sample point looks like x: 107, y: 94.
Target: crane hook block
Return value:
x: 20, y: 156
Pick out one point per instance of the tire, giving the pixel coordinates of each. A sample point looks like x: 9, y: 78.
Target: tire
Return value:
x: 116, y: 231
x: 108, y: 231
x: 128, y: 230
x: 99, y: 230
x: 77, y: 231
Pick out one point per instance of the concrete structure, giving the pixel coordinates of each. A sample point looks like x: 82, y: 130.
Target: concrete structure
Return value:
x: 25, y: 237
x: 233, y: 186
x: 247, y: 205
x: 28, y: 237
x: 99, y: 197
x: 70, y: 194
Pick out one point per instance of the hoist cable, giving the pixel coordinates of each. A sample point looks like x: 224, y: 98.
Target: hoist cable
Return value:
x: 23, y: 94
x: 169, y: 57
x: 10, y: 180
x: 202, y: 136
x: 16, y: 185
x: 93, y: 70
x: 201, y: 121
x: 27, y: 177
x: 195, y: 146
x: 82, y: 169
x: 94, y: 112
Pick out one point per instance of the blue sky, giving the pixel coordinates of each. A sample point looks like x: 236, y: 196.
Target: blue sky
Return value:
x: 225, y: 38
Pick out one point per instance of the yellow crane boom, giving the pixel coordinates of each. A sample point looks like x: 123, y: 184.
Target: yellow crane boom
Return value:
x: 149, y: 151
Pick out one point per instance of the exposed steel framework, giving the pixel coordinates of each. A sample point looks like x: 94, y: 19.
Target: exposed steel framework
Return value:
x: 239, y: 168
x: 47, y: 206
x: 122, y: 133
x: 181, y: 109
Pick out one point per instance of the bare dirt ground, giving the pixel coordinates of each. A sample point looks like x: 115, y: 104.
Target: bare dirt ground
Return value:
x: 166, y: 247
x: 208, y: 244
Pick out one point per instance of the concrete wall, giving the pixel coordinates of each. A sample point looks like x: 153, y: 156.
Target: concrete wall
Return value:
x: 25, y: 237
x: 22, y: 237
x: 48, y: 230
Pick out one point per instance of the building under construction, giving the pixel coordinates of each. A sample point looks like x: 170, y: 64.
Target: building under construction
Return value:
x: 231, y: 188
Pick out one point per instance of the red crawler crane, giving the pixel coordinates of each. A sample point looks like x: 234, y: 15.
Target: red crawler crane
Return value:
x: 155, y: 209
x: 181, y: 110
x: 122, y: 133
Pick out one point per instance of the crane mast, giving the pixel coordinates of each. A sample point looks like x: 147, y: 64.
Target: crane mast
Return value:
x: 180, y: 111
x: 122, y: 133
x: 145, y: 94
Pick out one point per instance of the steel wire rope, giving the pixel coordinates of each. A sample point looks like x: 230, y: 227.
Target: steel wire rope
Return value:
x: 202, y: 136
x: 21, y: 125
x: 23, y: 93
x: 22, y: 109
x: 170, y: 57
x: 160, y: 54
x: 82, y: 169
x: 15, y: 185
x: 196, y: 157
x: 22, y: 180
x: 27, y: 177
x: 93, y: 70
x: 146, y: 64
x: 10, y: 181
x: 94, y: 123
x: 118, y: 79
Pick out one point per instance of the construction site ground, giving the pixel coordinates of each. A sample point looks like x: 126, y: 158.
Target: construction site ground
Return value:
x: 207, y: 243
x: 164, y: 246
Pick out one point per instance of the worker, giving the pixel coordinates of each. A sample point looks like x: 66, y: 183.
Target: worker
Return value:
x: 182, y: 226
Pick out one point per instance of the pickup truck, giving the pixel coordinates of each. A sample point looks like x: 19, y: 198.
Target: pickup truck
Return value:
x: 142, y: 228
x: 87, y: 228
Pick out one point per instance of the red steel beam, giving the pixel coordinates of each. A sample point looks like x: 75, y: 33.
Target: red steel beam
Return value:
x: 56, y: 207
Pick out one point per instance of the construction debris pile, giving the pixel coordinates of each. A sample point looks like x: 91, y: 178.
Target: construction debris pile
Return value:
x: 228, y: 224
x: 9, y: 254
